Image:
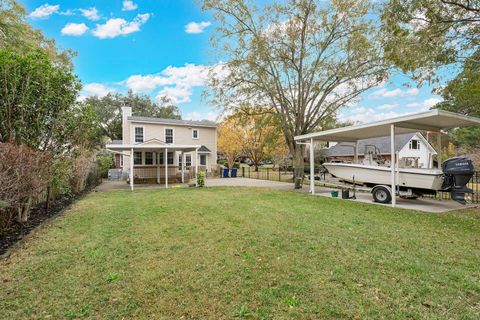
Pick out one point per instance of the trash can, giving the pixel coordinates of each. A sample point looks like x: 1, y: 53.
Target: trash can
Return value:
x: 345, y: 194
x: 334, y: 194
x: 233, y: 173
x: 225, y: 172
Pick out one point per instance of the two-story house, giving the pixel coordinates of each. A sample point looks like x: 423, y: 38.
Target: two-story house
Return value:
x: 165, y: 150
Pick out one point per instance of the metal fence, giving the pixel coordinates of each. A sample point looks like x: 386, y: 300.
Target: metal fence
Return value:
x: 276, y: 174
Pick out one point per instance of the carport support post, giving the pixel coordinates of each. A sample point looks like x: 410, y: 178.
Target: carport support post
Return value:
x: 392, y: 163
x: 355, y: 156
x: 439, y: 147
x: 131, y: 168
x: 166, y: 168
x: 312, y: 168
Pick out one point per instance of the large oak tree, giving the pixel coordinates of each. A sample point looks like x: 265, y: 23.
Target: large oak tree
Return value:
x: 303, y: 59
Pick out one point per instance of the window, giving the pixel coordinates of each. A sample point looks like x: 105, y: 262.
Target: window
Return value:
x: 179, y: 161
x: 137, y: 158
x: 203, y: 159
x: 414, y: 144
x: 170, y: 158
x: 138, y: 134
x: 188, y: 160
x: 169, y: 135
x: 148, y: 157
x: 160, y: 158
x: 195, y: 134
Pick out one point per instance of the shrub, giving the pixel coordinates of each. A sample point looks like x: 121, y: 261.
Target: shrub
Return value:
x: 201, y: 179
x: 24, y: 174
x: 105, y: 162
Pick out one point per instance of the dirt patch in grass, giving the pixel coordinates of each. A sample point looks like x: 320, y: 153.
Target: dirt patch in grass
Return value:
x: 39, y: 214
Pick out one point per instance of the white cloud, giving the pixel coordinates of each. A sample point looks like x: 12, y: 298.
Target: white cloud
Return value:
x: 387, y: 106
x: 178, y: 94
x: 176, y: 83
x: 116, y: 27
x: 74, y: 29
x: 197, y: 27
x: 425, y: 104
x: 197, y: 116
x: 96, y: 89
x: 368, y: 115
x: 44, y: 11
x: 385, y: 93
x: 128, y: 5
x: 90, y: 14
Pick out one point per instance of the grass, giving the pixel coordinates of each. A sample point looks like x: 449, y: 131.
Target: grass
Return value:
x: 220, y: 253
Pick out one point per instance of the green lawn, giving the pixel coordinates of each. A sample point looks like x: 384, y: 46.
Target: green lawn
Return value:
x: 221, y: 253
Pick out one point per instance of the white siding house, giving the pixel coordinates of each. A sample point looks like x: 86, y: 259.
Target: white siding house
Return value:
x: 162, y: 150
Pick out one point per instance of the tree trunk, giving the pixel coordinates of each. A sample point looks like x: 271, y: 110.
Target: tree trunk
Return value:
x: 298, y: 166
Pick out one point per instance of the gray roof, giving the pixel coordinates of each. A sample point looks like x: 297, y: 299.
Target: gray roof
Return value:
x: 204, y: 149
x: 202, y: 123
x: 117, y: 142
x: 382, y: 143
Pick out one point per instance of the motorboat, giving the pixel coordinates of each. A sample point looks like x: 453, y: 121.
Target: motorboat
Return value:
x: 375, y: 172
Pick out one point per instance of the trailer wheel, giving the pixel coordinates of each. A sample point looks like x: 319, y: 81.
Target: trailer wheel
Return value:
x: 382, y: 194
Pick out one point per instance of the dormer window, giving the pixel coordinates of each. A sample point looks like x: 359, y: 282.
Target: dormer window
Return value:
x: 138, y: 134
x: 195, y: 134
x: 414, y: 144
x: 169, y: 135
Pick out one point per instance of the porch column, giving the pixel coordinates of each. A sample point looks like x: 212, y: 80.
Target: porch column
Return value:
x: 183, y: 167
x: 157, y: 159
x: 392, y: 163
x: 355, y: 153
x: 196, y: 167
x: 131, y: 168
x: 312, y: 168
x: 439, y: 147
x: 166, y: 167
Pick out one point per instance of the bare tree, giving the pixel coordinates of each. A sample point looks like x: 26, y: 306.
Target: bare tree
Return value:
x: 304, y: 59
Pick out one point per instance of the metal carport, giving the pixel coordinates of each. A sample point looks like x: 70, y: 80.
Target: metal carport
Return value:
x: 432, y: 120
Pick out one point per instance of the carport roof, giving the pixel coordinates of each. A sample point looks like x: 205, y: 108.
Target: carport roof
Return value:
x: 432, y: 120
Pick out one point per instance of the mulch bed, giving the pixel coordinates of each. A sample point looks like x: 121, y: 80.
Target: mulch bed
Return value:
x: 17, y: 231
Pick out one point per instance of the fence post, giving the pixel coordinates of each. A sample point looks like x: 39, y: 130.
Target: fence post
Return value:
x: 243, y: 172
x: 279, y: 174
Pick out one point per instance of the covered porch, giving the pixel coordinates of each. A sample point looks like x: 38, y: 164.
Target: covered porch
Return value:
x: 154, y: 162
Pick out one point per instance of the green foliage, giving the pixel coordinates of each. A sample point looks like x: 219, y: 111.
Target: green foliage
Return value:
x: 61, y: 175
x: 462, y: 95
x: 111, y: 277
x: 37, y: 97
x: 3, y: 204
x: 16, y: 34
x: 109, y: 110
x: 201, y: 179
x: 105, y: 162
x: 423, y: 35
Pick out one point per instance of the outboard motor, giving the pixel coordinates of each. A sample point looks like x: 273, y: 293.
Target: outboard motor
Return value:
x: 457, y: 171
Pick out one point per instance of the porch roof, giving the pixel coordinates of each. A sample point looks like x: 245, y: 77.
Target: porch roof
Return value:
x: 151, y: 146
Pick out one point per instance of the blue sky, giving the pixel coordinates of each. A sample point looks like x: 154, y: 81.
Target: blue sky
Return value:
x: 161, y: 47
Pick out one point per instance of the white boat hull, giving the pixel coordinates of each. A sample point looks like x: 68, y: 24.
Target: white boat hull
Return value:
x: 431, y: 179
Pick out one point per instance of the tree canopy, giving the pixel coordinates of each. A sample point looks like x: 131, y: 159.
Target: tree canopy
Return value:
x: 462, y: 95
x: 302, y: 59
x: 422, y: 35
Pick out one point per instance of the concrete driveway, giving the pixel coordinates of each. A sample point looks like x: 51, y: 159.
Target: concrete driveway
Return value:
x: 426, y: 205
